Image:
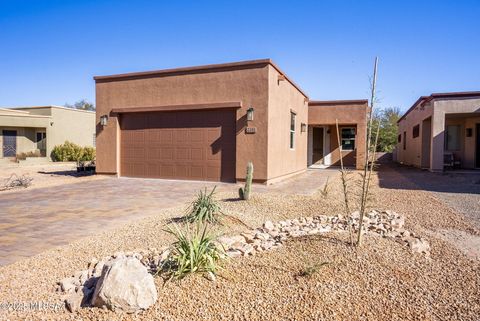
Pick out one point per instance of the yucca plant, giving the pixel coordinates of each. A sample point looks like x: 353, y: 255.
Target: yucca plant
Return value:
x: 204, y: 208
x: 195, y: 250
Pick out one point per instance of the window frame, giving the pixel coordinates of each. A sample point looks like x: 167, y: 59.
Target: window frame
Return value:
x: 458, y: 142
x: 292, y: 130
x: 354, y: 139
x: 416, y: 131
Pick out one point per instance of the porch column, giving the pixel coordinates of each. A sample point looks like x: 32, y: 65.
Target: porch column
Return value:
x: 438, y: 141
x: 361, y: 138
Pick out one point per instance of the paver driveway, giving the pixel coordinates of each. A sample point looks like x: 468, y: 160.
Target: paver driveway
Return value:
x: 32, y: 221
x: 35, y: 220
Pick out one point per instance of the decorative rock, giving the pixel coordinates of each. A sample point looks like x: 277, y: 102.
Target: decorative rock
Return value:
x: 398, y: 222
x: 97, y: 272
x: 92, y: 263
x: 419, y: 245
x: 268, y: 225
x: 262, y: 236
x: 67, y: 285
x: 234, y: 253
x: 228, y: 241
x: 125, y: 285
x: 74, y: 301
x: 325, y: 229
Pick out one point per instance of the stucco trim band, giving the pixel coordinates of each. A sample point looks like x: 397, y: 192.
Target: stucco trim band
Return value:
x: 205, y: 106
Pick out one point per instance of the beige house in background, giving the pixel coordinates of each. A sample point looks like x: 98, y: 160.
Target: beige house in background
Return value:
x: 208, y: 122
x: 441, y: 130
x: 39, y: 129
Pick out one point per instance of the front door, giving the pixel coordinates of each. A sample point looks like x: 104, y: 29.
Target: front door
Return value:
x: 9, y: 145
x: 477, y: 147
x: 42, y: 142
x: 317, y: 145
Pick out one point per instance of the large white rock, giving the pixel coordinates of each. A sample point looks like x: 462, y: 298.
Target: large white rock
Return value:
x: 125, y: 285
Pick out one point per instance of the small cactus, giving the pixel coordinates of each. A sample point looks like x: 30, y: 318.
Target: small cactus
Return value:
x: 244, y: 193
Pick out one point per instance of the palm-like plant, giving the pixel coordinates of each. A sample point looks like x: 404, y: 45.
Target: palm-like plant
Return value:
x: 195, y: 250
x: 204, y: 208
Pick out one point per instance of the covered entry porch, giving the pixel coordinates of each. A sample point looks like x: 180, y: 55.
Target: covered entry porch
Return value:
x: 324, y: 149
x: 23, y: 134
x: 451, y: 141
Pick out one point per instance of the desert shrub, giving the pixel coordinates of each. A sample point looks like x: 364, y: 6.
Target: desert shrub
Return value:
x: 310, y: 270
x: 204, y: 208
x: 70, y: 152
x: 87, y: 154
x: 23, y: 156
x: 195, y: 250
x: 15, y: 181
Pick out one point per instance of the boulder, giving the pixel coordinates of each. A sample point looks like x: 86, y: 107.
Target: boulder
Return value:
x: 125, y: 285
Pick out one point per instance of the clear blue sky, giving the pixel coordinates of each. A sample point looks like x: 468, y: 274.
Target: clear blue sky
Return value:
x: 50, y: 50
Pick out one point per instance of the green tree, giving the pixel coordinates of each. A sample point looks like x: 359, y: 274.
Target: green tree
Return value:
x: 82, y: 104
x: 387, y: 135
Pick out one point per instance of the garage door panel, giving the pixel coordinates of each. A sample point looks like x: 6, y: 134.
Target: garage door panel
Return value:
x: 182, y: 154
x: 197, y: 172
x: 196, y: 145
x: 167, y: 171
x: 166, y: 153
x: 197, y: 154
x: 182, y: 136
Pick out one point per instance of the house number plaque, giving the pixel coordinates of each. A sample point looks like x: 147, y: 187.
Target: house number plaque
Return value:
x: 250, y: 130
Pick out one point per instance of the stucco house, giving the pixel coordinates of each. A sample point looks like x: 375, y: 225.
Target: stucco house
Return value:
x: 39, y: 129
x: 441, y: 130
x: 208, y: 122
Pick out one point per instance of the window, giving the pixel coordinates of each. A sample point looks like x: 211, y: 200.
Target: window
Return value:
x: 292, y: 130
x: 399, y: 139
x: 41, y: 140
x: 404, y: 140
x: 416, y: 131
x: 348, y: 138
x: 452, y: 137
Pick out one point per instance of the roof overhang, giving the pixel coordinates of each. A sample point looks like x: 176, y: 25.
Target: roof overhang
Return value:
x: 426, y: 99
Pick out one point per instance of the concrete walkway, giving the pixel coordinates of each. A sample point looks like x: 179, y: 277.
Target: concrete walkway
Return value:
x: 34, y: 220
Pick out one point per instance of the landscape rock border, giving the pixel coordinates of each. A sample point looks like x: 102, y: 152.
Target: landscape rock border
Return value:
x: 79, y: 289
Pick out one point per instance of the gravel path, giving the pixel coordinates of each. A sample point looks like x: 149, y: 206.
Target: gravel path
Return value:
x: 380, y: 281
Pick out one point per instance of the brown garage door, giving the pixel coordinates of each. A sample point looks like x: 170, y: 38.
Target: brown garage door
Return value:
x: 197, y: 145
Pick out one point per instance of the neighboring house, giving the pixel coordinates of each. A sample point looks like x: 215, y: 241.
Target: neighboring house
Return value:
x: 39, y: 129
x: 441, y: 130
x: 208, y: 122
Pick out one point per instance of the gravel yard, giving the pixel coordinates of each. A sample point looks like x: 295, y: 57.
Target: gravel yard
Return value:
x: 380, y: 281
x: 44, y: 175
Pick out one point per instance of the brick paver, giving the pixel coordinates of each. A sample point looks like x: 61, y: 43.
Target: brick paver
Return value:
x: 32, y: 221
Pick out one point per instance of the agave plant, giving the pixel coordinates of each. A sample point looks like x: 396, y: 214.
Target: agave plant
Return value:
x: 204, y: 208
x: 195, y: 250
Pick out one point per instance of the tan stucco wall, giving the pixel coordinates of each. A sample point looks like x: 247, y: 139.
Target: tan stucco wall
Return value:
x: 348, y: 115
x: 76, y: 126
x: 283, y: 98
x: 249, y: 86
x: 437, y: 109
x: 412, y: 155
